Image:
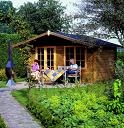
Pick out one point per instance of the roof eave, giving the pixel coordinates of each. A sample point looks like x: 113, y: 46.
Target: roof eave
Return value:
x: 45, y: 34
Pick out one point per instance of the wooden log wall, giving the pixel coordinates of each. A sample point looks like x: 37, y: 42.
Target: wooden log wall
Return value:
x: 105, y: 64
x: 60, y: 56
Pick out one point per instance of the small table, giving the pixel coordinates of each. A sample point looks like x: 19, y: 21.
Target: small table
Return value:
x: 53, y: 75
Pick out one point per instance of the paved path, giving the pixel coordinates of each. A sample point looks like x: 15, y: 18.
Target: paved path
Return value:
x: 13, y: 113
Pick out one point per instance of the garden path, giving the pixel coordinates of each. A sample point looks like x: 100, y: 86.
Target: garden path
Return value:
x: 13, y: 113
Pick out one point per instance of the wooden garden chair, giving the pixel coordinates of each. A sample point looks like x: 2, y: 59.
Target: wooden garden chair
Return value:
x: 76, y: 76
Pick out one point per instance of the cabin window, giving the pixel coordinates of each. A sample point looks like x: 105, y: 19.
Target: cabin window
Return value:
x: 46, y: 57
x: 69, y: 54
x: 50, y: 58
x: 41, y: 57
x: 78, y: 53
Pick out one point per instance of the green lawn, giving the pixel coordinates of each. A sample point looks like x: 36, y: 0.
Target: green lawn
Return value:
x: 21, y: 96
x: 2, y: 84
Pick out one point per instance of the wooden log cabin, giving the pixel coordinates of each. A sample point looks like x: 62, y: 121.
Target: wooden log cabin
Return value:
x: 95, y: 56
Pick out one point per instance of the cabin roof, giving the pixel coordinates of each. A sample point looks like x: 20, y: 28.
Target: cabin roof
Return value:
x: 80, y: 39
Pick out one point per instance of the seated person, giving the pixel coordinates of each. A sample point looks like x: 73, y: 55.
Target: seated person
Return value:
x: 72, y: 68
x: 35, y: 69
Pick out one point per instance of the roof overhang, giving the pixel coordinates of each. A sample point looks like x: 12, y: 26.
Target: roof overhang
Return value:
x: 48, y: 33
x: 83, y: 40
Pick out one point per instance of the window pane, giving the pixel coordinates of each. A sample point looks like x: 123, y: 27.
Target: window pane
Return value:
x: 51, y: 63
x: 38, y: 50
x: 69, y: 54
x: 80, y: 56
x: 50, y: 57
x: 41, y: 57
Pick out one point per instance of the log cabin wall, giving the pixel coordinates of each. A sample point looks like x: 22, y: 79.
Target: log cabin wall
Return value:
x: 105, y: 64
x: 88, y: 72
x: 59, y: 56
x: 100, y: 65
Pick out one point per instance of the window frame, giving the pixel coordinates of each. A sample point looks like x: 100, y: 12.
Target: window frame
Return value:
x: 85, y: 54
x: 45, y: 55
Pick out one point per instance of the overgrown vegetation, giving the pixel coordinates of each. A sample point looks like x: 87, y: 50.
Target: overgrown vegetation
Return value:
x: 72, y: 107
x: 120, y: 66
x: 2, y: 123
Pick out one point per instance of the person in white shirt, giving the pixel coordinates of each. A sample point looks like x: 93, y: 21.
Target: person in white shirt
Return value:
x: 72, y: 68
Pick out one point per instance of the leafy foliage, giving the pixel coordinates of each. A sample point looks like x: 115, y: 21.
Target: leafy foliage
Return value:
x: 2, y: 123
x: 2, y: 74
x: 20, y: 56
x: 116, y: 106
x: 6, y: 15
x: 20, y: 27
x: 120, y: 68
x: 44, y: 15
x: 72, y: 108
x: 6, y: 11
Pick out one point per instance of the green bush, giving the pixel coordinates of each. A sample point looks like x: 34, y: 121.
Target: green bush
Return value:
x: 2, y: 75
x: 120, y: 69
x: 72, y: 108
x: 2, y: 124
x: 20, y: 56
x: 116, y: 105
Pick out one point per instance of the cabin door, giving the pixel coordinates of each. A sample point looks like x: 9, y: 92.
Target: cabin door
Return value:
x: 46, y: 57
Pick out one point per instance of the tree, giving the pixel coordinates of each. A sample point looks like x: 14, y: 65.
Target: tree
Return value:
x: 104, y: 15
x: 10, y: 22
x: 44, y: 15
x: 6, y: 14
x: 20, y: 27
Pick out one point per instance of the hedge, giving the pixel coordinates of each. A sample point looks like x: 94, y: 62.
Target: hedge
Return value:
x: 19, y: 56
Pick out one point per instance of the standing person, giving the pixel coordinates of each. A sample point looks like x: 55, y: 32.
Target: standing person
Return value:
x: 35, y: 69
x: 72, y: 68
x: 10, y: 75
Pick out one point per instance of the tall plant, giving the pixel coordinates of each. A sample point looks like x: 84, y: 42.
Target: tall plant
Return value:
x: 116, y: 105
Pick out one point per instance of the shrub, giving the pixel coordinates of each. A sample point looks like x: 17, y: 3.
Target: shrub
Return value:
x: 2, y: 124
x: 116, y: 105
x: 71, y: 108
x: 2, y: 75
x: 20, y: 56
x: 120, y: 69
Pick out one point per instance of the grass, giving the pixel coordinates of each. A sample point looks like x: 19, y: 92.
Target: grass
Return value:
x: 21, y: 96
x: 20, y: 79
x: 2, y: 84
